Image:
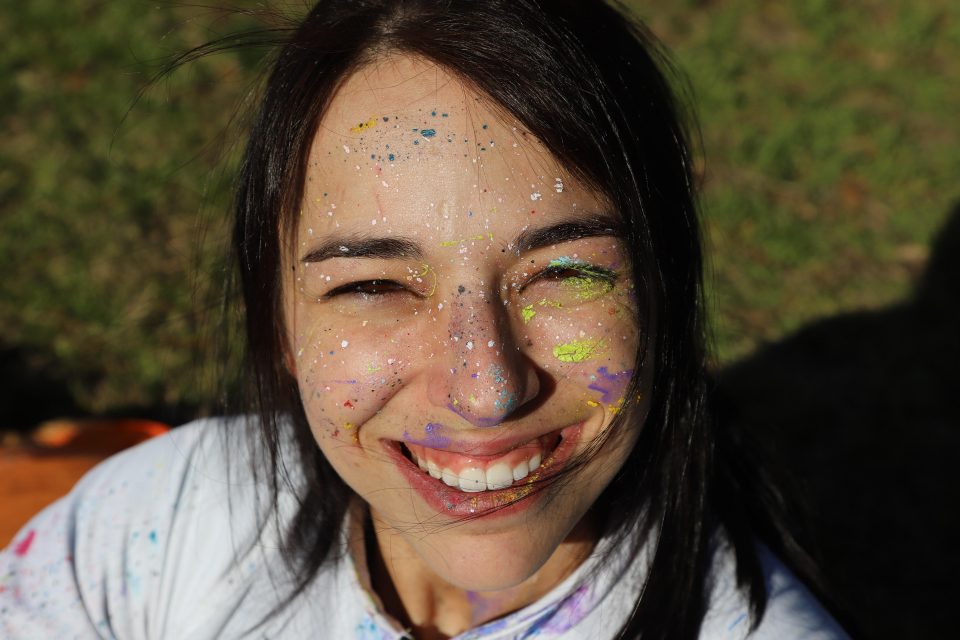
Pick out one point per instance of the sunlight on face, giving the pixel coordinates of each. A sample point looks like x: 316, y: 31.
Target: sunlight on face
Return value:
x: 460, y: 320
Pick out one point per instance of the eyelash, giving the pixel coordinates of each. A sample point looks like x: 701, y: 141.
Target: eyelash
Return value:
x: 556, y: 272
x: 391, y: 286
x: 584, y: 270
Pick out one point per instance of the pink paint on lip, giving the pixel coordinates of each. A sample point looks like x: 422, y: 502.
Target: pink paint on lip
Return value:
x: 499, y: 503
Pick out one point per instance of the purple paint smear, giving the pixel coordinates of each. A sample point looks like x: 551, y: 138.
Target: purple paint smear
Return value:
x: 574, y: 608
x: 434, y: 438
x: 614, y: 385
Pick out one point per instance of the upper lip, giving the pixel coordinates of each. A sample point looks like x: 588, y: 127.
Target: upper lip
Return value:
x: 489, y: 448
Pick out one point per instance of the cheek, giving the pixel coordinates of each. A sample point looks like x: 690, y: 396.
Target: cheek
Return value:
x: 590, y: 353
x: 347, y: 371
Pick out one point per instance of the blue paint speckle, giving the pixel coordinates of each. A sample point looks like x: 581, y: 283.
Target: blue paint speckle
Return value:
x: 391, y: 157
x: 428, y: 133
x: 738, y: 620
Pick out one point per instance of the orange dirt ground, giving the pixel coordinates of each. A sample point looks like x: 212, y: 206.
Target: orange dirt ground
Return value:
x: 38, y: 468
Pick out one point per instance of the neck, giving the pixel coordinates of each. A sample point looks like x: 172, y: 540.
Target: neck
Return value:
x: 432, y: 608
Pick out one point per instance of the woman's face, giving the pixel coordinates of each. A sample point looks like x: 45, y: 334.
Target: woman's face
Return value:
x: 460, y: 321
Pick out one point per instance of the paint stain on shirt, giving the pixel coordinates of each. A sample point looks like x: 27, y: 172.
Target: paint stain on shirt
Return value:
x: 22, y: 548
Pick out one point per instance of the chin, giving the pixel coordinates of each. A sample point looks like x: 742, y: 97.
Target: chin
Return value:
x: 488, y: 562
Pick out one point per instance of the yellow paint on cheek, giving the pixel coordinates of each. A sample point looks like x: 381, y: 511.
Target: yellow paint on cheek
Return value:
x: 578, y: 350
x: 585, y: 288
x: 527, y: 313
x: 369, y: 124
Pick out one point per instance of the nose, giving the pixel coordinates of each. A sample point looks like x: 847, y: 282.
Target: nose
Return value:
x: 485, y: 377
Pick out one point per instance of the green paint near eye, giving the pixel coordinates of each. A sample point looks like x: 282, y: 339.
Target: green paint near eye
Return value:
x: 527, y: 313
x: 578, y: 350
x: 587, y: 287
x: 577, y: 265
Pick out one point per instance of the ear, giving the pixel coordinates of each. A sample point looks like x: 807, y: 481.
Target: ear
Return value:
x: 289, y: 362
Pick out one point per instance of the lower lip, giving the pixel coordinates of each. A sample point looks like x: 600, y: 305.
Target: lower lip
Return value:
x: 497, y: 503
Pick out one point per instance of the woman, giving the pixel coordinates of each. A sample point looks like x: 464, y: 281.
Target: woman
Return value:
x: 471, y: 269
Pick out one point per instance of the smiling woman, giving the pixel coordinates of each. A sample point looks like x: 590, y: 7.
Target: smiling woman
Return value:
x: 420, y: 275
x: 471, y: 272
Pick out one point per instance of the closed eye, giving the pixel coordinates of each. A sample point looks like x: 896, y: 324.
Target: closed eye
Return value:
x: 367, y: 288
x: 563, y: 272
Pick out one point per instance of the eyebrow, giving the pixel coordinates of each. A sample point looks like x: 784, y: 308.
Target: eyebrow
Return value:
x: 527, y: 240
x: 566, y: 231
x: 365, y: 247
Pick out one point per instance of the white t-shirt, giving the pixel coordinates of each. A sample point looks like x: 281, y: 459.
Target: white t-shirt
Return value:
x: 163, y: 541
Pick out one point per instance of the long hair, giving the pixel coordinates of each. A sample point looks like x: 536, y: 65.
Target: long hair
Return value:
x: 593, y: 86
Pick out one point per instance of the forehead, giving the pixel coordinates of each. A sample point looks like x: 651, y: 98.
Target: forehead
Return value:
x: 407, y: 144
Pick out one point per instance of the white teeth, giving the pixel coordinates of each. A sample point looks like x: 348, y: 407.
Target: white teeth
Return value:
x: 499, y: 476
x: 450, y: 478
x: 534, y: 462
x: 472, y: 480
x: 520, y: 471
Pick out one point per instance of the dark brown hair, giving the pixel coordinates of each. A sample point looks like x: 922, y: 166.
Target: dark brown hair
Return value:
x: 592, y: 85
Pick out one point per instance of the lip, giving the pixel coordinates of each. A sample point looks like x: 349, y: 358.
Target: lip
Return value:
x: 498, y: 503
x: 491, y: 448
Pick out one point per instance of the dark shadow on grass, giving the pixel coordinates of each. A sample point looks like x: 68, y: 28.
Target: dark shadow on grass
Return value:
x: 32, y: 391
x: 862, y: 410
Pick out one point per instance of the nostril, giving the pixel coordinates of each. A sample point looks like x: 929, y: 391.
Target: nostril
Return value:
x: 475, y: 420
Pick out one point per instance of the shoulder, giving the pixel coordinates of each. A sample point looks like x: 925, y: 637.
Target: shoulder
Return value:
x: 792, y: 610
x: 136, y: 542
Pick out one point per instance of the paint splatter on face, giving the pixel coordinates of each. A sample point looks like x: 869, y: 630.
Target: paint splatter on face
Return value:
x: 579, y: 350
x: 430, y: 309
x: 363, y: 126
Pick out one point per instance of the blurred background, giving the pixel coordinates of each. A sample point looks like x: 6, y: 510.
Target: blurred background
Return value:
x: 830, y: 164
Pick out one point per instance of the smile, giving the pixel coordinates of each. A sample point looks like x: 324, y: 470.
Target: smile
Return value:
x: 473, y: 473
x: 486, y: 477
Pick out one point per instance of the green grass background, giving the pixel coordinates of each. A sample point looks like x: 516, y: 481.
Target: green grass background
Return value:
x: 831, y: 155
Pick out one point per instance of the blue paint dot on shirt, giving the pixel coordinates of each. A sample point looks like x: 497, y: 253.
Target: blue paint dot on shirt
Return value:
x: 391, y: 157
x: 428, y: 133
x: 433, y: 113
x: 153, y: 536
